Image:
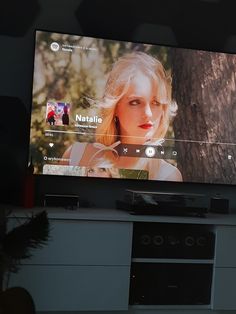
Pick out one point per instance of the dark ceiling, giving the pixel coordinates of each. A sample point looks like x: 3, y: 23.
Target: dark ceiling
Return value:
x: 202, y: 24
x: 193, y: 23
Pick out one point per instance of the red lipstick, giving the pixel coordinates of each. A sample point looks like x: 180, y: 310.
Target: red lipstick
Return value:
x: 145, y: 126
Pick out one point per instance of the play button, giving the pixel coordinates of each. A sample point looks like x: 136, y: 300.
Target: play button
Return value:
x: 150, y: 151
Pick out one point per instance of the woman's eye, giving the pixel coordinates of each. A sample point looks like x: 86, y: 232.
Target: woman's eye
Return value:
x: 156, y: 103
x: 134, y: 102
x: 90, y: 170
x: 102, y: 169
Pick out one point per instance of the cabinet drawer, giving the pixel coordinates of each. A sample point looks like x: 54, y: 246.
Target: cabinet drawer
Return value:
x: 224, y: 296
x: 75, y: 288
x: 85, y: 243
x: 225, y: 256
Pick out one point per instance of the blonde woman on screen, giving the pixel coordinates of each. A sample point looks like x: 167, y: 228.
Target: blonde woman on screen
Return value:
x: 136, y: 109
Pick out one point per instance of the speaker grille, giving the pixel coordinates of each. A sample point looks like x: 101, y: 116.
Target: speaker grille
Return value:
x: 162, y: 240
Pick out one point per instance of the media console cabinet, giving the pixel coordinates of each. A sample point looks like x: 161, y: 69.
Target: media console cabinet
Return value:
x: 89, y: 265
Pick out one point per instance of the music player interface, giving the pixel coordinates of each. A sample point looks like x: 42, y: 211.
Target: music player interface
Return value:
x: 119, y: 109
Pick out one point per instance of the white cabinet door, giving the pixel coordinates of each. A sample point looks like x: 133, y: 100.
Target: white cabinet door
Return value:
x: 74, y: 242
x: 225, y: 252
x: 224, y: 290
x: 75, y: 288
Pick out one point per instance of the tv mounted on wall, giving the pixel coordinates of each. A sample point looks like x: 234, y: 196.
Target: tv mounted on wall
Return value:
x: 107, y: 108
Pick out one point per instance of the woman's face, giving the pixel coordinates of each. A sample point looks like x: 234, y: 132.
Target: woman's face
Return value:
x: 139, y: 112
x: 98, y: 172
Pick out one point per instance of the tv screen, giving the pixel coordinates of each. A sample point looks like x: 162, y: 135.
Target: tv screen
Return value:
x: 108, y: 108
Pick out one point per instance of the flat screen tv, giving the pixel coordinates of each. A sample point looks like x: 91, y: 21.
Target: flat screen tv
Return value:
x: 117, y: 109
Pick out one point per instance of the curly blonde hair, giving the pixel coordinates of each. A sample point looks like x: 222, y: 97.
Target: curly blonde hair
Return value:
x: 118, y: 82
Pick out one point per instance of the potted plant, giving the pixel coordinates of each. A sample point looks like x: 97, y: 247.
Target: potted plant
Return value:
x: 15, y: 246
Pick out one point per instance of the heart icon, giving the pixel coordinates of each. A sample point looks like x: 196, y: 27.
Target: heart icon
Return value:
x: 51, y: 144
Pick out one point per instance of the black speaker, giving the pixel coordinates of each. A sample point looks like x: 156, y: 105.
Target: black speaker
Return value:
x: 169, y: 283
x: 65, y: 201
x: 165, y: 240
x: 219, y: 205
